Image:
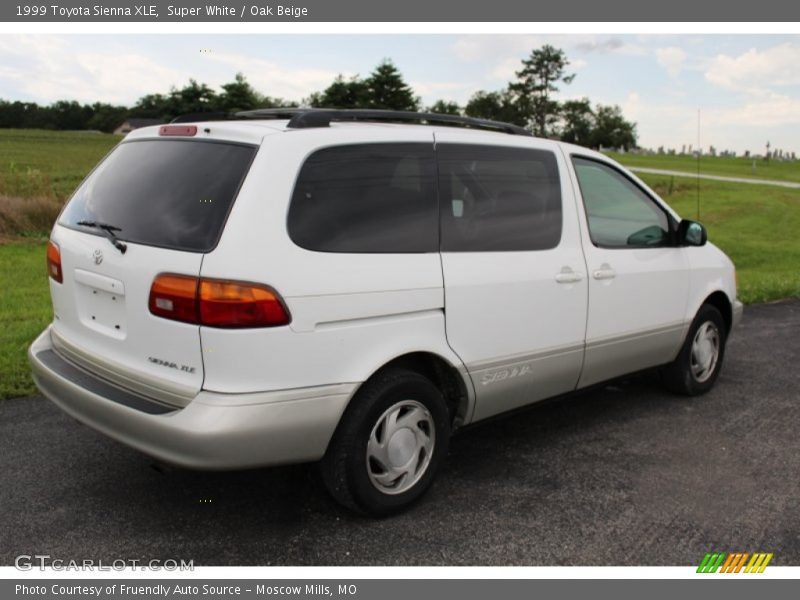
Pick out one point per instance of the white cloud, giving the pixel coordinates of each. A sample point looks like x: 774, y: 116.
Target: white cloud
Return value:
x: 274, y: 80
x: 119, y: 78
x: 672, y: 59
x: 506, y: 70
x: 431, y: 91
x: 502, y: 55
x: 755, y: 71
x: 660, y: 124
x: 606, y: 45
x: 632, y: 107
x: 775, y: 110
x: 46, y: 68
x: 491, y: 47
x: 64, y: 69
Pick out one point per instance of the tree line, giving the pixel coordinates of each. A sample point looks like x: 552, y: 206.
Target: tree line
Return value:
x: 529, y: 101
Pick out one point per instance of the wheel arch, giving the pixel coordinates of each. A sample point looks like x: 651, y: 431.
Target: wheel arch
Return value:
x: 453, y: 381
x: 723, y: 304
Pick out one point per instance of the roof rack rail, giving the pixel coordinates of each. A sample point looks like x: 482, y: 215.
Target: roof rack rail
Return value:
x: 304, y: 118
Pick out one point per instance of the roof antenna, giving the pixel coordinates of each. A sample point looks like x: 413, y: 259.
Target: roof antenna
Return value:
x: 699, y: 151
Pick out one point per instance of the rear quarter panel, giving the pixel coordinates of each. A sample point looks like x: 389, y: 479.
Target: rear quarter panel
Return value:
x: 351, y: 313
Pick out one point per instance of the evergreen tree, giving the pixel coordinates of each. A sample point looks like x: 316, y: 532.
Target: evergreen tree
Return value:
x: 342, y: 93
x: 107, y: 118
x: 239, y: 95
x: 151, y: 106
x: 445, y: 107
x: 192, y: 98
x: 535, y: 85
x: 386, y: 89
x: 577, y: 122
x: 611, y: 130
x: 497, y: 106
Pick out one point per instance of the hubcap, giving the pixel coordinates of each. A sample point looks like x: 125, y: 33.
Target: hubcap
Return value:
x: 400, y: 447
x: 705, y: 352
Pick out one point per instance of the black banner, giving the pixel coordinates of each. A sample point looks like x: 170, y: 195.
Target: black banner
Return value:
x: 406, y: 11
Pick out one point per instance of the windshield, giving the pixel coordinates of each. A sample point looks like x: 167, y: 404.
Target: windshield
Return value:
x: 168, y: 193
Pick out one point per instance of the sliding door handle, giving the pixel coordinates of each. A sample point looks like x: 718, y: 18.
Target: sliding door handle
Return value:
x: 567, y: 275
x: 604, y: 272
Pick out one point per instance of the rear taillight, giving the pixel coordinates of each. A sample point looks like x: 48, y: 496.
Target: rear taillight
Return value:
x: 174, y: 297
x: 54, y: 262
x: 239, y: 304
x: 217, y: 302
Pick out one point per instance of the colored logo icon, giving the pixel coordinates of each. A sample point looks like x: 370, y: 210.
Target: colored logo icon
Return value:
x: 734, y: 562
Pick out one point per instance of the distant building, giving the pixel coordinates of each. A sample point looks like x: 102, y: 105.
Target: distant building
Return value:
x: 130, y: 124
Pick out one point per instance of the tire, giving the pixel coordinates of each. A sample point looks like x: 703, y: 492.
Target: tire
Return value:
x: 699, y: 362
x: 389, y: 444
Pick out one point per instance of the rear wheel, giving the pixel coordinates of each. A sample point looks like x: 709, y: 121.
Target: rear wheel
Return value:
x: 389, y: 445
x: 698, y: 364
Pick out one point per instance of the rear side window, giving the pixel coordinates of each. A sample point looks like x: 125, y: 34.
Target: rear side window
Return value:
x: 497, y: 198
x: 366, y: 198
x: 168, y: 193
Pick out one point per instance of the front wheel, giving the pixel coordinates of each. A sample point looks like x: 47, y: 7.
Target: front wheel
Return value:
x: 698, y: 364
x: 389, y: 445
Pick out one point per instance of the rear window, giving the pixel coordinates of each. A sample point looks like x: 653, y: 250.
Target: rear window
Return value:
x: 366, y: 198
x: 169, y: 193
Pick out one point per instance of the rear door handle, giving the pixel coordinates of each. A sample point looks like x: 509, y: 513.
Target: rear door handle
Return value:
x: 567, y: 275
x: 604, y: 272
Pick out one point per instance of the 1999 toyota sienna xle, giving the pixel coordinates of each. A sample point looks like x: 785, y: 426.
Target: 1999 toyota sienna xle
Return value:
x: 353, y: 286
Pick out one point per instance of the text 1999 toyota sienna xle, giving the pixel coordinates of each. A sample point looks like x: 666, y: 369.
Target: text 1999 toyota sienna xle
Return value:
x: 352, y: 286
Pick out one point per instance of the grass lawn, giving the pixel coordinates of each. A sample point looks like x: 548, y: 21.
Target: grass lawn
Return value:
x: 757, y: 226
x: 38, y: 162
x: 24, y: 311
x: 715, y: 165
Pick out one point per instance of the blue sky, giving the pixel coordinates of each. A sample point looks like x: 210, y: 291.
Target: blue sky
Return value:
x: 747, y: 87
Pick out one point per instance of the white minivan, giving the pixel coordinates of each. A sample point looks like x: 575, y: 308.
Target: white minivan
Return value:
x: 351, y: 287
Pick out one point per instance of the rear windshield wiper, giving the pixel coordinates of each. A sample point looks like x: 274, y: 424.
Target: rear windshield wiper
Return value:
x: 109, y: 231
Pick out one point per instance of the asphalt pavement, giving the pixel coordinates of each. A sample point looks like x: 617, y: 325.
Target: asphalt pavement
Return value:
x: 624, y: 475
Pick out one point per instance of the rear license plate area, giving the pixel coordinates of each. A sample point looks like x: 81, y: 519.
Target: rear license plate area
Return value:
x: 101, y: 303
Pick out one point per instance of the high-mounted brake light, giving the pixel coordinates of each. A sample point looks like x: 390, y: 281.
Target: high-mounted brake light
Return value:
x: 178, y: 130
x: 217, y: 302
x: 54, y: 262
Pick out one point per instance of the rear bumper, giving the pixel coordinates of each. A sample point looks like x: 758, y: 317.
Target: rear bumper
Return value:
x: 215, y: 431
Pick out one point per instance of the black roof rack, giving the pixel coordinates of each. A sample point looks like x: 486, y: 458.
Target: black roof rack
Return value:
x: 304, y: 118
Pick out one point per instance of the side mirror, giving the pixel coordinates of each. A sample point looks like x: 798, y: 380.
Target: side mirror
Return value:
x: 691, y: 233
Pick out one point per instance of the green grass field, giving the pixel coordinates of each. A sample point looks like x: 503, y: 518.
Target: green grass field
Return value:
x: 24, y: 311
x: 757, y: 226
x: 731, y: 167
x: 36, y: 162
